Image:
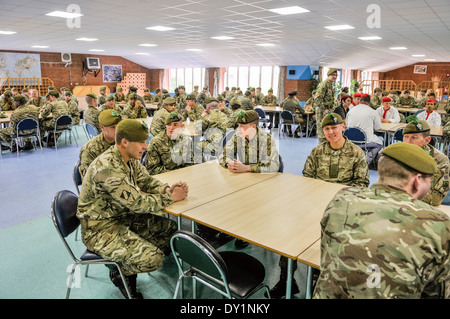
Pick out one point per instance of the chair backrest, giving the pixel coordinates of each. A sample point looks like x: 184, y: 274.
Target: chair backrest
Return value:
x: 398, y: 135
x: 261, y: 113
x: 27, y: 124
x: 190, y: 248
x: 64, y: 210
x: 150, y: 136
x: 355, y: 134
x: 91, y: 129
x: 418, y: 112
x: 287, y: 115
x: 281, y: 168
x: 228, y: 136
x: 63, y: 120
x: 77, y: 176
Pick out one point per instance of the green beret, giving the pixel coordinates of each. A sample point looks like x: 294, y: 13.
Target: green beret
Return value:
x: 68, y: 93
x: 103, y: 88
x: 169, y: 100
x: 132, y: 96
x: 235, y: 102
x: 173, y: 117
x: 157, y: 90
x: 24, y: 90
x: 393, y: 92
x: 211, y: 99
x: 109, y: 117
x: 270, y: 90
x: 252, y: 89
x: 331, y: 71
x: 245, y: 117
x: 110, y: 98
x: 378, y: 90
x: 258, y: 88
x: 227, y: 88
x: 133, y: 130
x: 191, y: 97
x: 182, y: 87
x: 412, y: 156
x: 92, y: 95
x: 233, y: 88
x: 195, y: 86
x: 146, y: 90
x: 423, y: 90
x: 332, y: 119
x: 415, y: 125
x: 53, y: 93
x: 119, y: 89
x: 165, y: 91
x: 52, y: 88
x: 406, y: 92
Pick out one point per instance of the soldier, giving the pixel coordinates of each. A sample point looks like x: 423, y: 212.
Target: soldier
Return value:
x: 26, y: 94
x: 383, y: 241
x: 21, y: 112
x: 110, y: 104
x: 158, y: 95
x: 148, y: 97
x: 91, y: 114
x: 165, y: 94
x: 159, y: 118
x: 195, y: 92
x: 432, y: 117
x: 324, y: 101
x: 134, y: 109
x: 231, y: 95
x: 269, y: 99
x: 7, y: 101
x: 387, y: 113
x: 259, y: 95
x: 74, y: 111
x: 224, y: 93
x: 169, y: 150
x: 93, y: 148
x: 193, y: 110
x: 55, y: 108
x: 181, y: 99
x: 422, y: 99
x: 297, y: 111
x: 222, y: 107
x: 418, y: 133
x: 119, y: 97
x: 102, y: 96
x: 203, y: 96
x: 394, y: 97
x: 35, y: 99
x: 406, y: 100
x: 309, y: 104
x: 375, y: 99
x: 253, y: 97
x: 235, y: 106
x: 120, y: 208
x: 246, y: 101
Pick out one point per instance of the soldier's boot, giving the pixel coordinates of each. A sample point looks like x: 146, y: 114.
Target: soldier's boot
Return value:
x: 279, y: 290
x: 114, y: 275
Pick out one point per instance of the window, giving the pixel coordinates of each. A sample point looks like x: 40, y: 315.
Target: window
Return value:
x: 188, y: 80
x: 243, y: 78
x: 184, y: 76
x: 254, y: 80
x: 265, y: 77
x: 232, y: 77
x: 266, y: 80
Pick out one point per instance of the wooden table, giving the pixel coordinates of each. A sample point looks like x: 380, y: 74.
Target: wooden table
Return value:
x: 4, y: 121
x: 414, y: 110
x: 270, y: 215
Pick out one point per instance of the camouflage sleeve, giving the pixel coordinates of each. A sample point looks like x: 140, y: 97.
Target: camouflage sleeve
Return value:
x: 153, y: 160
x: 360, y: 170
x: 269, y: 160
x: 310, y: 168
x: 320, y: 103
x: 447, y: 107
x: 149, y: 184
x: 439, y: 182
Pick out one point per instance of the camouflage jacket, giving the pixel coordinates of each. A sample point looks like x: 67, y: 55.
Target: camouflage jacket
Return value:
x: 113, y: 189
x: 269, y: 100
x: 195, y: 114
x: 119, y: 97
x: 346, y: 165
x: 379, y: 242
x: 74, y: 112
x: 159, y: 121
x: 40, y: 102
x: 102, y: 99
x: 56, y: 108
x: 134, y: 112
x: 375, y: 101
x: 116, y: 107
x: 260, y: 152
x: 421, y: 102
x: 324, y: 99
x: 6, y: 105
x: 19, y: 114
x: 149, y: 98
x: 90, y: 151
x: 164, y: 154
x: 439, y: 182
x: 91, y: 116
x: 410, y: 101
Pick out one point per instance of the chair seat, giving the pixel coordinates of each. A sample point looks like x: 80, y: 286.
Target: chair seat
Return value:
x: 89, y: 255
x: 245, y: 273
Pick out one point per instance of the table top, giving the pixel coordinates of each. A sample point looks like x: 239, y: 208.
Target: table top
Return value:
x: 270, y: 214
x: 6, y: 119
x: 434, y: 130
x: 414, y: 110
x: 390, y: 127
x: 207, y: 182
x: 275, y: 109
x: 151, y: 106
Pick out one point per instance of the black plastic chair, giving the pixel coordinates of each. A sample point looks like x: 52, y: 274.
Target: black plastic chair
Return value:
x: 398, y: 135
x: 230, y: 273
x: 287, y: 119
x: 28, y: 124
x: 64, y: 209
x: 281, y: 168
x: 63, y: 123
x: 76, y: 176
x: 150, y: 136
x: 263, y: 120
x: 91, y: 130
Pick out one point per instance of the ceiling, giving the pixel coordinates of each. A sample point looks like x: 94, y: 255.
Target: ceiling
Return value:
x: 422, y: 26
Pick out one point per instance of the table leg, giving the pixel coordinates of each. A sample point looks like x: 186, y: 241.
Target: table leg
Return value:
x: 289, y: 279
x: 308, y: 282
x: 179, y: 222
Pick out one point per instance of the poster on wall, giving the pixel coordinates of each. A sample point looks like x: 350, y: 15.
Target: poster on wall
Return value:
x: 112, y: 73
x: 420, y: 69
x: 16, y: 66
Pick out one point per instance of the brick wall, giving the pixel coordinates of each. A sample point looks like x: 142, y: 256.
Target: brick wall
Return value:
x: 301, y: 86
x: 436, y: 71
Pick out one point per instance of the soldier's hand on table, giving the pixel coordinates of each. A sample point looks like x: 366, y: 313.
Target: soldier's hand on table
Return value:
x: 238, y: 167
x: 179, y: 193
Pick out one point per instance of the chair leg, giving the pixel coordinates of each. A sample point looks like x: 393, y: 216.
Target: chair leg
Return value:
x: 69, y: 283
x: 177, y: 287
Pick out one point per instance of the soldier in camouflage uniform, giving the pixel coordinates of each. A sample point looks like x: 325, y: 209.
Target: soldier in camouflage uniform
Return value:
x: 203, y: 96
x: 170, y: 149
x: 269, y: 99
x: 159, y: 118
x: 337, y: 160
x: 418, y: 133
x: 56, y: 108
x: 394, y: 97
x: 108, y: 120
x: 235, y: 106
x: 253, y: 97
x: 119, y: 97
x: 224, y: 93
x: 324, y: 101
x: 35, y: 99
x: 7, y: 102
x: 292, y: 105
x: 134, y: 109
x: 91, y: 114
x: 383, y: 241
x: 259, y: 95
x: 375, y: 99
x: 422, y: 99
x: 120, y: 208
x: 195, y: 92
x: 181, y: 99
x: 230, y: 95
x: 406, y: 100
x: 165, y: 94
x: 158, y: 96
x: 21, y: 112
x: 102, y: 96
x: 222, y: 107
x: 74, y: 111
x: 110, y: 104
x: 148, y: 97
x: 193, y: 110
x: 246, y: 102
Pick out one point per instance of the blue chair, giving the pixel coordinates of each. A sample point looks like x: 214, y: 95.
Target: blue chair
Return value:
x: 26, y: 125
x: 263, y: 120
x: 142, y: 160
x: 398, y: 135
x: 357, y: 136
x: 64, y: 209
x: 418, y: 112
x: 232, y: 274
x: 63, y: 124
x: 91, y: 130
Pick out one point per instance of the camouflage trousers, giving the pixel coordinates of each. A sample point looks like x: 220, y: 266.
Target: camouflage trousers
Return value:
x: 319, y: 118
x: 137, y: 243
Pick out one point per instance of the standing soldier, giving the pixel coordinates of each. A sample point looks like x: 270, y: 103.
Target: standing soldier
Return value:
x: 324, y: 101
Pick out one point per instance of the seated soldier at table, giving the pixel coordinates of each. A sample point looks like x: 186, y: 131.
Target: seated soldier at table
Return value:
x: 21, y: 112
x: 406, y: 100
x: 7, y: 102
x: 291, y: 104
x: 119, y: 97
x: 235, y: 107
x: 148, y: 97
x: 108, y: 121
x: 74, y: 111
x: 422, y: 99
x: 417, y: 132
x: 384, y: 242
x: 269, y: 99
x: 35, y: 99
x: 387, y: 113
x: 193, y: 110
x: 337, y: 160
x: 110, y: 104
x: 120, y: 208
x: 159, y: 118
x: 432, y: 117
x: 376, y: 98
x: 134, y: 109
x: 91, y: 114
x: 53, y: 109
x: 222, y: 107
x: 170, y: 149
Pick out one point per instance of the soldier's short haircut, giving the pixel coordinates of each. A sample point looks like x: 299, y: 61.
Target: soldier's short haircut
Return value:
x: 365, y: 99
x: 89, y: 99
x: 213, y: 104
x: 394, y: 173
x: 119, y: 138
